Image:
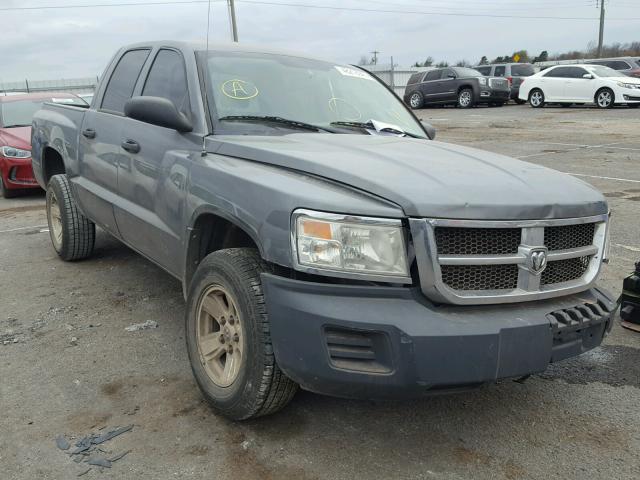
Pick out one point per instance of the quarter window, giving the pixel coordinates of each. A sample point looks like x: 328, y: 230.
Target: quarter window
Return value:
x: 167, y: 79
x: 415, y: 78
x: 123, y: 80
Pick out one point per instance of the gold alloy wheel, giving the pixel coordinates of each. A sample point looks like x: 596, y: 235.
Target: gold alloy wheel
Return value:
x: 55, y: 220
x: 219, y: 336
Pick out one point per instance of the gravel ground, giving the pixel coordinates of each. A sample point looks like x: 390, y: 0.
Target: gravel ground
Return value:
x: 68, y: 366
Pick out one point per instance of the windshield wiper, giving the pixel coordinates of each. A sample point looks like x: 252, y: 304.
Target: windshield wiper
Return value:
x: 370, y: 126
x: 280, y: 120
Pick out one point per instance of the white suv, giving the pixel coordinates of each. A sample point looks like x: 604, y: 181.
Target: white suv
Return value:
x: 569, y: 84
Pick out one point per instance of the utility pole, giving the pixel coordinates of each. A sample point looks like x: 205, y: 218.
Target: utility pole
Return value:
x: 232, y: 13
x: 375, y: 57
x: 601, y: 36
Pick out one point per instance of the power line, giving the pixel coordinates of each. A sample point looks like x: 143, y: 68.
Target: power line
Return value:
x: 319, y: 7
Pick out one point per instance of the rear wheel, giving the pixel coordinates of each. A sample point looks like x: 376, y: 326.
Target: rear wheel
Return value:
x: 416, y: 100
x: 465, y: 98
x: 536, y: 98
x: 72, y: 234
x: 228, y: 337
x: 604, y: 98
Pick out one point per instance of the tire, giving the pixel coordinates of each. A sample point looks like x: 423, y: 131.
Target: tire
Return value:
x: 6, y: 192
x: 416, y: 101
x: 465, y: 98
x: 72, y: 234
x: 253, y: 385
x: 519, y: 101
x: 604, y: 98
x: 536, y: 98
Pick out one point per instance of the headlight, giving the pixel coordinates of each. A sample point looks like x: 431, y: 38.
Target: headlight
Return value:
x: 627, y: 85
x: 482, y: 80
x: 12, y: 152
x: 350, y: 246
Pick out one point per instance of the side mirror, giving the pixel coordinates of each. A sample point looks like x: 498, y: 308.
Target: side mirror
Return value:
x: 431, y: 131
x: 451, y: 75
x: 588, y: 76
x: 157, y: 111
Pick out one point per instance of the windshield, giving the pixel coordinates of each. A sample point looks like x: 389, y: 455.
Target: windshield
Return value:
x: 602, y: 71
x: 18, y: 113
x: 303, y: 90
x: 467, y: 72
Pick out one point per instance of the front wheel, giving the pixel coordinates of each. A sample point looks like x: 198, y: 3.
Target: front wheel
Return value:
x: 72, y: 234
x: 605, y: 98
x: 536, y: 98
x: 228, y: 337
x: 465, y: 98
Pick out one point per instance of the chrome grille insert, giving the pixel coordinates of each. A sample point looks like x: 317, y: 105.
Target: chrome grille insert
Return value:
x: 471, y: 262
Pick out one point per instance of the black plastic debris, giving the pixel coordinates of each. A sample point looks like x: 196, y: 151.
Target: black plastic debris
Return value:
x: 62, y: 443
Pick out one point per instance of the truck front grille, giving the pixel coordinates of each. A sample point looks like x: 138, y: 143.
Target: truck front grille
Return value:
x: 501, y: 261
x: 498, y: 83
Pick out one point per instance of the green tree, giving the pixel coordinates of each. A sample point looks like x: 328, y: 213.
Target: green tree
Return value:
x: 484, y: 60
x: 523, y: 54
x: 442, y: 64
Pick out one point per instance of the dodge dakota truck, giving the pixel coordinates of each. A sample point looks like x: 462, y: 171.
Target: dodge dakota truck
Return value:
x: 323, y: 239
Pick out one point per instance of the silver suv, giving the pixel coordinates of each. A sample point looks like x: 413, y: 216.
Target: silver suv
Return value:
x: 513, y: 72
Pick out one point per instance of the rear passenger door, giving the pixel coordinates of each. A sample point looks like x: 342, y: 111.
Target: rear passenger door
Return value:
x: 552, y: 84
x: 576, y: 87
x: 429, y: 86
x: 100, y: 152
x: 152, y: 180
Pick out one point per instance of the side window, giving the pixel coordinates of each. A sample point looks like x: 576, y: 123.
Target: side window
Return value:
x: 167, y: 78
x: 499, y: 72
x: 123, y: 80
x: 448, y: 73
x: 486, y: 71
x: 575, y: 72
x: 618, y: 65
x: 433, y: 75
x: 559, y: 72
x: 415, y: 78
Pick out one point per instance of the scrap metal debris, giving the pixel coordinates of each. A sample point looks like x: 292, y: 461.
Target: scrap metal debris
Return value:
x: 142, y: 326
x: 87, y: 448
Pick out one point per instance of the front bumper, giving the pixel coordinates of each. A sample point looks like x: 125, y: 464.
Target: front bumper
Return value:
x: 387, y: 342
x: 488, y: 95
x: 17, y: 173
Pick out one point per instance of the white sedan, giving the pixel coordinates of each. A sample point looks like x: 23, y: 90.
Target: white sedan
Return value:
x: 568, y: 84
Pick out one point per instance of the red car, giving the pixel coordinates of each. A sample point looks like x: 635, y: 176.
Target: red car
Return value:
x: 16, y: 112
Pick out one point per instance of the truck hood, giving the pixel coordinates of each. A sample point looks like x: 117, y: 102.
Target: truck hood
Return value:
x: 18, y: 137
x: 426, y: 178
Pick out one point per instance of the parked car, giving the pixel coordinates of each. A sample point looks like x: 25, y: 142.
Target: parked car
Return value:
x: 323, y: 241
x: 464, y: 87
x: 629, y: 66
x: 569, y: 84
x: 515, y: 73
x: 16, y: 112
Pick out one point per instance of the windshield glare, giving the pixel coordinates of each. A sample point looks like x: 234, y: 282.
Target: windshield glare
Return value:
x: 300, y: 89
x: 20, y: 112
x: 602, y: 71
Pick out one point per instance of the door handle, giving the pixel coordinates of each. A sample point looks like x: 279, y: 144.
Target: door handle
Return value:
x: 89, y: 133
x: 131, y: 146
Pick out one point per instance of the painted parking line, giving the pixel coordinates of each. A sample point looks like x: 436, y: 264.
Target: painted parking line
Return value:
x: 23, y: 228
x: 604, y: 178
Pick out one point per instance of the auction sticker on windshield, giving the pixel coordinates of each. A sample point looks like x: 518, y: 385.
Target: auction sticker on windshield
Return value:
x: 239, y: 89
x: 353, y: 72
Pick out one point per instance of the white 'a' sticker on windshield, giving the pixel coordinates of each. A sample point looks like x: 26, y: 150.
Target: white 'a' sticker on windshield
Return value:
x: 353, y: 72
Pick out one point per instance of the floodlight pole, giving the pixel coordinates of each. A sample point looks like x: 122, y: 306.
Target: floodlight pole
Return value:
x: 601, y: 36
x: 234, y: 26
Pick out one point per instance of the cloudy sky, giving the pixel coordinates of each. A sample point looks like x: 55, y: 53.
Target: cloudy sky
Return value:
x: 50, y: 43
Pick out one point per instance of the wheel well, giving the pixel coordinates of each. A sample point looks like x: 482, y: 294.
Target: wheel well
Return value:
x: 464, y: 87
x: 52, y: 164
x: 604, y: 88
x: 211, y: 233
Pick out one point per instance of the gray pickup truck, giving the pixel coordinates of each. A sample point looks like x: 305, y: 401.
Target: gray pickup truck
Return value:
x: 322, y: 238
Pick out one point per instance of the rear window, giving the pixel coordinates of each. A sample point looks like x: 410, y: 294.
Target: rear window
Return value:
x: 486, y: 71
x: 123, y: 80
x: 499, y: 71
x: 522, y: 70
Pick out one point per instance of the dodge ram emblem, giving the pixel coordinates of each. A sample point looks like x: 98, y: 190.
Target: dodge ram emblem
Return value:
x: 537, y: 260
